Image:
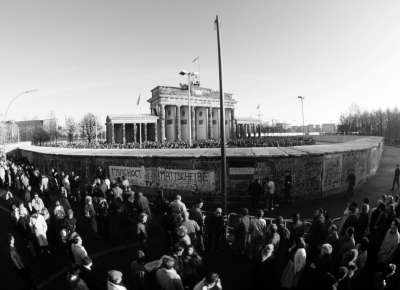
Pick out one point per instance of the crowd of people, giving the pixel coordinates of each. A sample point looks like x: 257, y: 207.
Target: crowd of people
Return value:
x: 265, y: 141
x: 47, y: 211
x: 358, y: 251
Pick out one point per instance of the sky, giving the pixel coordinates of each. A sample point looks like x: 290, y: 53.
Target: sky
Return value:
x: 99, y: 55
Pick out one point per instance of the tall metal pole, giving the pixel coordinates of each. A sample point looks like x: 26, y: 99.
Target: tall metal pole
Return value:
x: 302, y: 113
x: 189, y: 123
x: 222, y: 123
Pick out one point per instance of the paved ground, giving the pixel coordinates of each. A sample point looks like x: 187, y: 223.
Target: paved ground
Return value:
x: 50, y: 271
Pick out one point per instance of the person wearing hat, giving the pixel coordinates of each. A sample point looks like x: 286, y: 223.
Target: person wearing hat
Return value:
x: 114, y: 281
x: 167, y: 277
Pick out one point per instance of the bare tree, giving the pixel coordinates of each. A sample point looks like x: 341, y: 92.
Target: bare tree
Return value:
x: 89, y: 125
x: 71, y: 128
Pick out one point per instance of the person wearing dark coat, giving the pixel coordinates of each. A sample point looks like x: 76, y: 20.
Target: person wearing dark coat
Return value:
x: 143, y: 204
x: 215, y: 230
x: 255, y: 190
x: 242, y: 237
x: 351, y: 220
x: 266, y: 276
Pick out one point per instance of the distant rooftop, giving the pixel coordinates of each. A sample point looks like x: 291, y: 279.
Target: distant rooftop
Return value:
x: 131, y: 118
x: 182, y: 91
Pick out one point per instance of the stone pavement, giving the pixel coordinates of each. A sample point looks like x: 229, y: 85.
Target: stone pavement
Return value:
x: 50, y: 271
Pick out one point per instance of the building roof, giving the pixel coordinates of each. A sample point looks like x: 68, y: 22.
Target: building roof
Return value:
x: 131, y: 118
x: 196, y: 91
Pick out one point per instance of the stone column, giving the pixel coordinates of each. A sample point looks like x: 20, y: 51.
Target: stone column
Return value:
x: 123, y: 134
x: 162, y: 122
x: 192, y: 121
x: 233, y: 130
x: 112, y: 133
x: 178, y: 123
x: 145, y: 132
x: 134, y: 133
x: 155, y: 132
x: 209, y: 120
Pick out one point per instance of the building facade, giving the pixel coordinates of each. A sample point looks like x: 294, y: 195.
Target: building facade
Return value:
x: 170, y: 104
x: 124, y: 129
x: 329, y: 128
x: 169, y: 117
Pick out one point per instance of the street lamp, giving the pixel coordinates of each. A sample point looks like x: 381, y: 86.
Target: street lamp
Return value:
x: 189, y: 123
x: 302, y: 113
x: 6, y: 112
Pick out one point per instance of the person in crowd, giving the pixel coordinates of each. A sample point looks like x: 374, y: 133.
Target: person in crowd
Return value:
x: 19, y: 265
x: 265, y: 272
x: 39, y: 228
x: 362, y: 249
x: 103, y: 218
x: 37, y: 203
x: 215, y: 228
x: 177, y: 205
x: 90, y: 213
x: 143, y: 204
x: 288, y: 186
x: 75, y: 281
x: 79, y: 254
x: 270, y: 192
x: 161, y: 204
x: 257, y: 232
x: 138, y: 273
x: 192, y: 263
x: 24, y: 218
x: 167, y: 277
x: 297, y: 261
x: 396, y: 178
x: 390, y: 243
x: 351, y: 219
x: 141, y: 231
x: 182, y: 236
x: 59, y: 211
x: 114, y: 281
x: 242, y: 238
x: 255, y: 191
x: 70, y: 222
x: 346, y: 242
x: 362, y: 226
x: 192, y: 228
x: 197, y: 215
x: 210, y: 282
x: 297, y: 228
x: 351, y: 182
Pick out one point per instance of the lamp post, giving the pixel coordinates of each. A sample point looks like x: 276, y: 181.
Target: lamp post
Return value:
x: 222, y: 121
x: 189, y: 123
x: 302, y: 113
x: 6, y: 112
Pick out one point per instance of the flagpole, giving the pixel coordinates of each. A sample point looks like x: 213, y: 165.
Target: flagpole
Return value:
x: 222, y: 123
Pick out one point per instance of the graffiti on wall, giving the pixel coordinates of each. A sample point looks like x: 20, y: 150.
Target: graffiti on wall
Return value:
x: 166, y: 178
x: 332, y: 172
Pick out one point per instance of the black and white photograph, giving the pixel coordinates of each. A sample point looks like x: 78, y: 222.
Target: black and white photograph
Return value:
x: 199, y: 145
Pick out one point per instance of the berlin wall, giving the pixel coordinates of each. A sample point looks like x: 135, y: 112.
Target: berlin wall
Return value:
x: 317, y: 170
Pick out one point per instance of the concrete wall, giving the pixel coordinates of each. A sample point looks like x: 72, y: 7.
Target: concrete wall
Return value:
x: 317, y: 170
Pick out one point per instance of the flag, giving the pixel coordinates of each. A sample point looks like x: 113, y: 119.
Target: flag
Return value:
x: 138, y: 100
x: 196, y: 59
